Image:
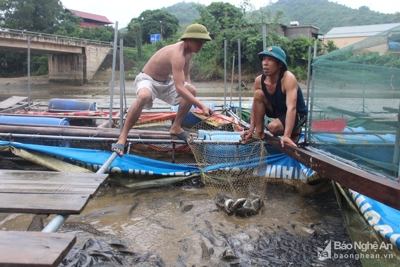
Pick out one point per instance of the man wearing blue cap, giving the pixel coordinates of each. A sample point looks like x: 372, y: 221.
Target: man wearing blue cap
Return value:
x: 277, y: 95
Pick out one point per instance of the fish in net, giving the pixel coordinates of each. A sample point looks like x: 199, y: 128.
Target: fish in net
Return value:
x: 230, y: 169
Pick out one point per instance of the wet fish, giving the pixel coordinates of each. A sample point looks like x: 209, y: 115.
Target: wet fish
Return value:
x: 160, y: 224
x: 228, y: 255
x: 228, y: 205
x: 74, y: 226
x: 205, y: 252
x: 187, y: 208
x: 134, y: 206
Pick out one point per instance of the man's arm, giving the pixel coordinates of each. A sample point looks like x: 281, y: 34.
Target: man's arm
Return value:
x: 290, y: 87
x: 180, y: 73
x: 248, y: 133
x: 257, y: 86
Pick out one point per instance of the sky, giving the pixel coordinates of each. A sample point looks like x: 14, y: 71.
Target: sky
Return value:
x: 122, y: 11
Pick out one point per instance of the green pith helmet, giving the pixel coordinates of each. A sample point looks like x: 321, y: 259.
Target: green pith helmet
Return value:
x: 276, y: 52
x: 196, y: 31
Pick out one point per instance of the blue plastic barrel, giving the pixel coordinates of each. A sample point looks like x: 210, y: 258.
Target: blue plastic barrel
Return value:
x: 358, y: 129
x: 34, y: 120
x: 72, y: 104
x: 219, y: 135
x: 377, y: 147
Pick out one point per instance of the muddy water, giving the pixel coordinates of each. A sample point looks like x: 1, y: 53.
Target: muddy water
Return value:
x: 181, y: 225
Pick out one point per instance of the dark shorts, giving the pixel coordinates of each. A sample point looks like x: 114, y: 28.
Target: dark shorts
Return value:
x: 299, y: 121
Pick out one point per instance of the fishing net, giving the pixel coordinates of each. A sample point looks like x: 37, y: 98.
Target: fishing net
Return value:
x: 354, y: 107
x: 230, y: 170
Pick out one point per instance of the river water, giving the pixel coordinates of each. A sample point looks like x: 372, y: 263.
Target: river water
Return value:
x: 180, y: 225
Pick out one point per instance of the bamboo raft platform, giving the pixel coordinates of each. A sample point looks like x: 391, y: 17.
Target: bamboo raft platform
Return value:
x: 42, y: 193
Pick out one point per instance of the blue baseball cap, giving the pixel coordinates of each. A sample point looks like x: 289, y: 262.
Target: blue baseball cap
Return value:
x: 276, y: 52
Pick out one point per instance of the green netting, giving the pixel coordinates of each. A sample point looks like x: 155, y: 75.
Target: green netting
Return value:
x: 355, y: 99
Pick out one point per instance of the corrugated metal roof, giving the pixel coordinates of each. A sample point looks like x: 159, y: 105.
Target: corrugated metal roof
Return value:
x: 356, y: 31
x: 86, y: 15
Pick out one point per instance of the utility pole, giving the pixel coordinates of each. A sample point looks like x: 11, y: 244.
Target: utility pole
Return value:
x: 161, y: 29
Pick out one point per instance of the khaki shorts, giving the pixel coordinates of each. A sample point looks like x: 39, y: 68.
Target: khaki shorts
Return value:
x: 164, y: 90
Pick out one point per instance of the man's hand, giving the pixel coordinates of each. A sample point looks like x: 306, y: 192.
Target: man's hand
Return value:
x: 246, y: 135
x: 287, y: 140
x: 207, y: 111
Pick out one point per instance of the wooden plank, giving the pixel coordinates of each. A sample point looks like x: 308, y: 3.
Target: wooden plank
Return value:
x: 374, y: 186
x: 47, y: 192
x: 46, y: 189
x: 50, y: 182
x: 56, y: 181
x: 42, y: 203
x: 9, y: 102
x: 49, y: 175
x: 34, y: 248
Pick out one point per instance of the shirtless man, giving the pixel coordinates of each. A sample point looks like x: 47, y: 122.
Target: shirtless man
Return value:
x: 277, y: 95
x: 166, y: 76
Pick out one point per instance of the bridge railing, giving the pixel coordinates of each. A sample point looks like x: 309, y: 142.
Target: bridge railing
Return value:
x: 5, y: 32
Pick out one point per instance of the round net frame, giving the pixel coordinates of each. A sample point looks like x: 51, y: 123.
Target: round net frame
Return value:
x: 230, y: 169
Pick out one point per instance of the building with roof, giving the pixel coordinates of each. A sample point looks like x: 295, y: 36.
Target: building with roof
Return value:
x: 344, y: 36
x: 90, y: 20
x: 294, y: 30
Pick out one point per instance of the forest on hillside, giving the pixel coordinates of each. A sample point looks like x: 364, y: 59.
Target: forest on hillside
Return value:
x: 225, y: 22
x: 320, y: 13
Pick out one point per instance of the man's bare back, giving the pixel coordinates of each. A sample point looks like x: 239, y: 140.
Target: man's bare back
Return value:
x: 159, y: 67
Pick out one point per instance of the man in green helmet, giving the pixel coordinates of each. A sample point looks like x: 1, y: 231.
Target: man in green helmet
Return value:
x: 166, y: 76
x: 277, y: 95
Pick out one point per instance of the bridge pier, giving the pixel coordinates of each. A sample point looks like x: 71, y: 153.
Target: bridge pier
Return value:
x: 77, y: 69
x: 67, y: 69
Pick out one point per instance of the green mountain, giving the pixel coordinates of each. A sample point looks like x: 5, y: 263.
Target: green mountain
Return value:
x: 320, y: 13
x: 326, y: 15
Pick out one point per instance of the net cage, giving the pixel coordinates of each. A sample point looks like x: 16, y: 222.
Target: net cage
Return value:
x: 230, y: 170
x: 354, y: 102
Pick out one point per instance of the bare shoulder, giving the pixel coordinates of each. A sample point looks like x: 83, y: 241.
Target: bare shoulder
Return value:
x: 171, y: 48
x: 257, y: 82
x: 289, y: 82
x: 288, y: 75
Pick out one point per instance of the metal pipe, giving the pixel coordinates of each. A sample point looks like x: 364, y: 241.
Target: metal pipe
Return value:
x: 107, y: 164
x: 224, y: 72
x: 233, y: 75
x: 264, y: 35
x: 121, y: 84
x: 308, y: 94
x: 311, y: 97
x: 396, y: 146
x: 240, y: 79
x: 113, y: 73
x: 55, y: 223
x: 102, y: 139
x: 29, y: 71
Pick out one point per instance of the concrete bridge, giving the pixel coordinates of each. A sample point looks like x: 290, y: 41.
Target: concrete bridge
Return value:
x: 72, y: 61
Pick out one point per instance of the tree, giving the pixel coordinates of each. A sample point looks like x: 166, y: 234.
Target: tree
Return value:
x: 68, y: 25
x: 220, y: 16
x: 31, y: 15
x: 156, y: 21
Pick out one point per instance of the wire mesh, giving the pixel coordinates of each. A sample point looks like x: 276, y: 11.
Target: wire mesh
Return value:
x: 355, y: 102
x: 229, y: 167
